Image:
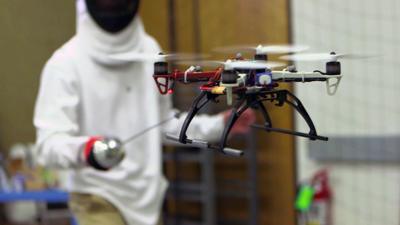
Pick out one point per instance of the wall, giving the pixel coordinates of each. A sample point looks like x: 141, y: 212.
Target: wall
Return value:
x: 31, y: 31
x: 366, y: 190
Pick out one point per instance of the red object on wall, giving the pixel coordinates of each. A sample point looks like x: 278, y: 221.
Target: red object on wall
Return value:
x: 322, y: 201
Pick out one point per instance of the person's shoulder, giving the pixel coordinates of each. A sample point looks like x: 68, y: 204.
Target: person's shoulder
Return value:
x: 152, y: 45
x: 61, y: 64
x: 63, y: 56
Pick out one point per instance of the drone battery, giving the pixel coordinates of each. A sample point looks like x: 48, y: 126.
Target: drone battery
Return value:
x: 160, y: 68
x: 218, y: 90
x: 333, y: 68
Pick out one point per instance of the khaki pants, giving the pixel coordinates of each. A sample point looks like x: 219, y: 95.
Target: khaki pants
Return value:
x: 93, y: 210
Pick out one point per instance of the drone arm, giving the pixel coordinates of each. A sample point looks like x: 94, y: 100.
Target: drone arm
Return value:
x: 192, y: 76
x: 287, y: 76
x: 165, y: 82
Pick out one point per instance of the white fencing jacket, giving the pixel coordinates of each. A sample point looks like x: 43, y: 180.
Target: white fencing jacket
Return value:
x: 83, y: 93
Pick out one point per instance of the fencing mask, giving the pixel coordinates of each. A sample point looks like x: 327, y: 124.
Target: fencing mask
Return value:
x: 113, y: 15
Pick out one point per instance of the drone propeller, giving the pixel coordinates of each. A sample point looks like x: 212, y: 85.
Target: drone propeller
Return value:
x: 263, y: 49
x: 330, y: 57
x: 151, y: 57
x: 235, y: 64
x: 201, y: 63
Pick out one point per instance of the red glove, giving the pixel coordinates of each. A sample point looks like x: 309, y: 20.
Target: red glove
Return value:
x: 103, y: 153
x: 242, y: 125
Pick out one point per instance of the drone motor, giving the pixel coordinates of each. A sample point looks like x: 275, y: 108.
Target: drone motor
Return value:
x: 160, y: 68
x: 261, y: 57
x: 229, y: 77
x: 333, y: 68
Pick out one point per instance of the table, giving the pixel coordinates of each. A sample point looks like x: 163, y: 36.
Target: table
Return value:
x: 43, y: 196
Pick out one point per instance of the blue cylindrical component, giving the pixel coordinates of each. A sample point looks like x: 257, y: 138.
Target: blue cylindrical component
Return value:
x: 264, y: 79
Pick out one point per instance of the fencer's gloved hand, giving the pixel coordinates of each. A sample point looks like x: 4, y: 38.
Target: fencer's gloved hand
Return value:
x: 103, y: 153
x: 242, y: 125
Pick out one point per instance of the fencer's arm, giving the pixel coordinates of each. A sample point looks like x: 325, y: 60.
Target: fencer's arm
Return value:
x: 59, y: 144
x: 55, y: 119
x: 204, y: 127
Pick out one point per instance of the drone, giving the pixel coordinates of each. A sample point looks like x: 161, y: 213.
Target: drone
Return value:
x: 247, y: 83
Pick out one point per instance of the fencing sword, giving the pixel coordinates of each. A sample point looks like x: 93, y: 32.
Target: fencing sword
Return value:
x: 108, y: 152
x: 176, y: 115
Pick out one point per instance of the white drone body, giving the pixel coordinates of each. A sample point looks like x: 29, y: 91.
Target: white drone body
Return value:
x: 271, y: 76
x: 244, y: 68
